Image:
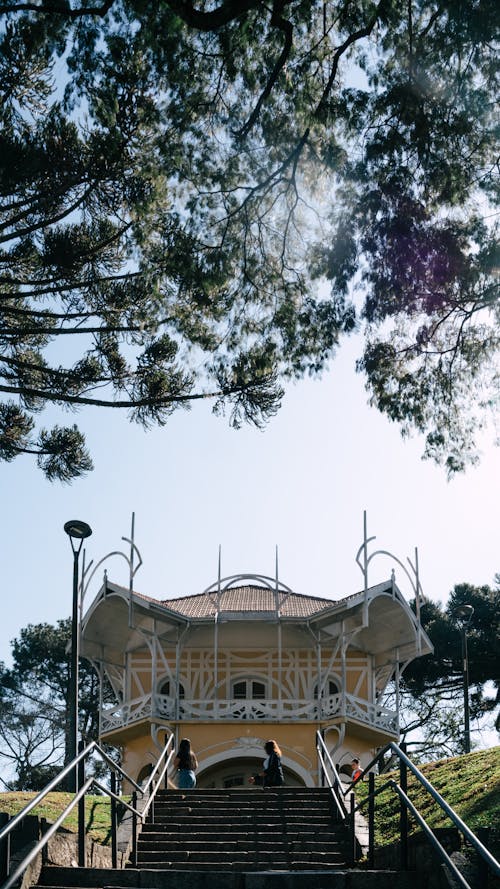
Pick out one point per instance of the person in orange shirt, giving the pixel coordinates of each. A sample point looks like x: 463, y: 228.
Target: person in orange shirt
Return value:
x: 356, y: 770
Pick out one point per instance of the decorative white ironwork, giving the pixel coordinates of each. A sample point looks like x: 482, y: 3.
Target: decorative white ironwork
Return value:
x: 164, y: 707
x: 280, y: 590
x: 413, y: 578
x: 370, y: 714
x: 85, y: 581
x: 127, y: 713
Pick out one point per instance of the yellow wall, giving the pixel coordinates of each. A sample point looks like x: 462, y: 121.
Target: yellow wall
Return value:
x: 296, y: 673
x: 223, y: 742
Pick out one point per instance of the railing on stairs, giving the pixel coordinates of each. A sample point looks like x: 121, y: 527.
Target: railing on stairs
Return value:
x: 340, y: 792
x: 147, y: 793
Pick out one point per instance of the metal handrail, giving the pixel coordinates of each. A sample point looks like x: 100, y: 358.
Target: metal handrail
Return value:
x: 91, y: 781
x: 323, y: 751
x: 489, y: 859
x: 115, y: 767
x: 12, y: 878
x: 336, y: 790
x: 450, y: 864
x: 150, y: 780
x: 339, y: 803
x: 43, y: 793
x: 461, y: 825
x: 160, y: 779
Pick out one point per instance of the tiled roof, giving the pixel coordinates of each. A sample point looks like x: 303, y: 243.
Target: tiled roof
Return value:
x: 248, y: 598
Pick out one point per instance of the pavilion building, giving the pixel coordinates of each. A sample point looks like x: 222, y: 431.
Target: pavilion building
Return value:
x: 245, y: 661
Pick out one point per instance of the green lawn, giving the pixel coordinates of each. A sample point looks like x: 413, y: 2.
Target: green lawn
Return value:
x: 97, y: 811
x: 470, y: 784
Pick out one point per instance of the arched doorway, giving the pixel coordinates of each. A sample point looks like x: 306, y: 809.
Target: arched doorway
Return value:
x: 234, y: 773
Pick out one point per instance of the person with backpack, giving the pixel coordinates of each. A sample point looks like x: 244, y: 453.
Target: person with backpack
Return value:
x: 272, y: 771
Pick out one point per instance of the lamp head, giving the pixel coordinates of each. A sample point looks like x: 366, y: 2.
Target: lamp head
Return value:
x: 77, y: 530
x: 463, y: 613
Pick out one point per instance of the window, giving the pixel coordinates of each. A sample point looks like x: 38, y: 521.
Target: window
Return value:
x: 330, y: 697
x: 165, y: 689
x: 330, y: 688
x: 333, y: 688
x: 166, y: 702
x: 249, y: 689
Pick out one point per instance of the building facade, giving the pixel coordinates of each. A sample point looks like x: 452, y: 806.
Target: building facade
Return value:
x: 245, y: 661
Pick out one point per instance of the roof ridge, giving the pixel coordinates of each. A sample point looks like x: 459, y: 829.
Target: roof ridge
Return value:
x: 231, y: 589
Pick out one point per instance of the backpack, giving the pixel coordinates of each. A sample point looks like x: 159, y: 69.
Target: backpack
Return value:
x: 274, y: 772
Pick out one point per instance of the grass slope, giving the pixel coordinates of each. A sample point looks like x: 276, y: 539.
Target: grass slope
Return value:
x: 97, y: 812
x: 470, y: 784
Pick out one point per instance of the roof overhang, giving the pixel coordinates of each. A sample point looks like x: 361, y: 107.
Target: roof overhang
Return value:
x: 120, y: 621
x: 377, y: 621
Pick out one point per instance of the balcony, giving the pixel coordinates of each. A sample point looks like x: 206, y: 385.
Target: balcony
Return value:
x: 336, y: 707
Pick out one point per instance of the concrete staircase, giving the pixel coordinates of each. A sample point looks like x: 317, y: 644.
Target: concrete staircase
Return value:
x: 286, y: 838
x: 241, y: 830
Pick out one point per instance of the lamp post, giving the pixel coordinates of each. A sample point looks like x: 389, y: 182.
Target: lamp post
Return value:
x: 464, y: 615
x: 77, y: 532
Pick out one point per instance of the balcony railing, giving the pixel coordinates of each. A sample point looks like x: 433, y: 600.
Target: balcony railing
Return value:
x: 269, y: 710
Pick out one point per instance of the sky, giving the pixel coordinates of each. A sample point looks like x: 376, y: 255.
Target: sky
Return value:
x: 302, y: 485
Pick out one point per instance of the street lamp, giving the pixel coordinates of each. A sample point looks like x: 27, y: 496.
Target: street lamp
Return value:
x: 77, y: 532
x: 464, y: 615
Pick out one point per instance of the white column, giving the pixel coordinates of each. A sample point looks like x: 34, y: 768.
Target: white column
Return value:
x: 154, y: 678
x: 177, y: 676
x: 126, y: 685
x: 216, y: 665
x: 101, y: 682
x: 343, y: 668
x: 319, y: 681
x: 396, y: 678
x: 280, y: 669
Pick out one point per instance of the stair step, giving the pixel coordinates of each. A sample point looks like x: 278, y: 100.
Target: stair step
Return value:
x: 204, y: 806
x: 250, y: 793
x: 196, y: 825
x: 289, y: 836
x: 243, y: 842
x: 246, y: 847
x: 259, y: 825
x: 71, y: 878
x: 238, y: 799
x: 240, y: 815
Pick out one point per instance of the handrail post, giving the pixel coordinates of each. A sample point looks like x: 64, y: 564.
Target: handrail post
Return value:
x: 371, y: 820
x: 134, y: 828
x: 483, y: 834
x: 4, y: 849
x: 353, y: 829
x: 322, y: 768
x: 403, y: 812
x: 43, y: 831
x: 114, y: 822
x: 81, y: 809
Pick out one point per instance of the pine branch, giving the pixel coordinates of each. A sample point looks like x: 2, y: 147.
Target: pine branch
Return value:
x: 58, y: 9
